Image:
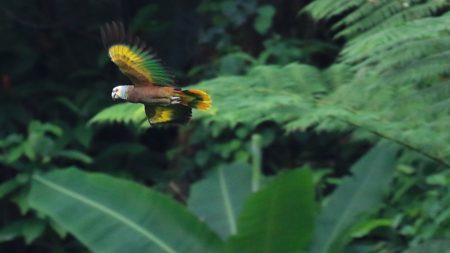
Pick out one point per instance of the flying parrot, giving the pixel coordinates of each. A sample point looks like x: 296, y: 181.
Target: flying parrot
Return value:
x: 151, y: 84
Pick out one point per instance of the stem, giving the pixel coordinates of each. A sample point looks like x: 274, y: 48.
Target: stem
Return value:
x: 256, y: 161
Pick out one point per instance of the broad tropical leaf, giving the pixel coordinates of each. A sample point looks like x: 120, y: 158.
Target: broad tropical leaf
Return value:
x: 219, y: 197
x: 355, y: 197
x: 114, y: 215
x: 278, y: 218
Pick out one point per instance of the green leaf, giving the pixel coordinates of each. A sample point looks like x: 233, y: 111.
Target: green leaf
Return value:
x: 278, y: 218
x: 21, y: 201
x: 355, y: 197
x: 58, y: 229
x: 263, y: 21
x: 32, y: 230
x: 10, y: 140
x: 219, y: 197
x: 114, y: 215
x: 11, y: 231
x: 365, y: 227
x: 39, y: 127
x: 8, y: 186
x: 84, y: 135
x: 74, y: 155
x: 14, y: 154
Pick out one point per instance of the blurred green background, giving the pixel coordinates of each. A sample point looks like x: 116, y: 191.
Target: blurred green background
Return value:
x: 329, y: 130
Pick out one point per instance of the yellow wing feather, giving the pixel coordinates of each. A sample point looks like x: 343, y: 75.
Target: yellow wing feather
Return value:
x: 173, y: 114
x: 162, y: 114
x: 132, y: 57
x: 130, y: 64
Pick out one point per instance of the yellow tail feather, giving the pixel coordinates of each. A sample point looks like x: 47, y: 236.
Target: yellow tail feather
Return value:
x: 197, y: 99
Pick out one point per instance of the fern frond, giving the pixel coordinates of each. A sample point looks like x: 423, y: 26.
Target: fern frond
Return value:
x: 404, y: 53
x: 328, y: 8
x: 372, y: 44
x: 266, y: 93
x: 388, y: 14
x: 127, y: 113
x: 419, y: 71
x: 367, y: 15
x: 351, y: 105
x: 362, y: 17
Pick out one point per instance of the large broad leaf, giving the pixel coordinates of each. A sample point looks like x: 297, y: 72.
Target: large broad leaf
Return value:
x: 114, y: 215
x: 279, y: 218
x: 354, y: 198
x: 218, y: 198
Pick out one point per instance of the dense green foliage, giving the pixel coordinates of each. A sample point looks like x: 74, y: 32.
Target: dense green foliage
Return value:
x: 328, y: 132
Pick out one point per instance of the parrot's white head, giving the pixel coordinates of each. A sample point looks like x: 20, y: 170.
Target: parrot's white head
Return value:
x: 120, y: 92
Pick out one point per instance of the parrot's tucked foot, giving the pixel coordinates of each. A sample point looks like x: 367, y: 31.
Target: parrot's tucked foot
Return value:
x: 175, y: 100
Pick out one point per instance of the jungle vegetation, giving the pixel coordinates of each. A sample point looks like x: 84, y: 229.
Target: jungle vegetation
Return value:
x: 329, y: 130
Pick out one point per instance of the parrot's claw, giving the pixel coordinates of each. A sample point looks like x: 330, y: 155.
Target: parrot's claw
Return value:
x: 175, y: 100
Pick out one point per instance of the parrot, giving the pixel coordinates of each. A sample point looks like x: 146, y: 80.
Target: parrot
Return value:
x: 151, y: 84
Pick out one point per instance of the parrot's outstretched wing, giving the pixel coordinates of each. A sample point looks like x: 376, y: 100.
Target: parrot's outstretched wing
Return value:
x: 173, y: 114
x: 132, y: 57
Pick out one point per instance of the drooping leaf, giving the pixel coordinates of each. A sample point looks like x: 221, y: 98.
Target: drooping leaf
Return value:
x: 11, y: 231
x: 32, y: 230
x: 219, y: 197
x: 278, y: 218
x: 21, y: 200
x: 73, y: 154
x: 114, y: 215
x: 366, y: 226
x: 355, y: 197
x: 29, y: 229
x: 8, y: 186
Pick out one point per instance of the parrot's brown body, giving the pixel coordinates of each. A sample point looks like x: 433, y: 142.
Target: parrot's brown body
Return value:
x: 151, y: 84
x: 150, y: 94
